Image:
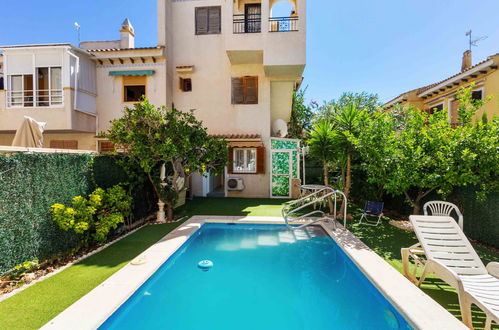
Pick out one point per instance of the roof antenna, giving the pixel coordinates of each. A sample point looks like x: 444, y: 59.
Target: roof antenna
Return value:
x: 77, y: 26
x: 473, y: 42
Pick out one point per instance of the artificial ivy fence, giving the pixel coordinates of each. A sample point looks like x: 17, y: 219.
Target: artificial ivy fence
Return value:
x: 31, y: 182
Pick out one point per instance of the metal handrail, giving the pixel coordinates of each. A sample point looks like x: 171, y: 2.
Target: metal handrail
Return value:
x: 316, y: 196
x: 283, y: 24
x: 35, y: 98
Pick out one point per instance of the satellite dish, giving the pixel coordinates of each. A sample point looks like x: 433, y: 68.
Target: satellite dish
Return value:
x: 279, y: 128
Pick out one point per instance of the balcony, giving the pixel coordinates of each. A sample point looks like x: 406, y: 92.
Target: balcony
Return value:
x: 35, y: 98
x: 283, y: 24
x: 247, y: 23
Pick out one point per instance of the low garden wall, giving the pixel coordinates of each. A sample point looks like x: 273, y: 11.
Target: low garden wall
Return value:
x: 31, y: 182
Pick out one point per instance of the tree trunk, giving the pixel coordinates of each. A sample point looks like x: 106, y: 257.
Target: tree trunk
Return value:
x: 325, y: 170
x: 348, y: 182
x: 416, y: 203
x: 326, y: 183
x: 169, y: 212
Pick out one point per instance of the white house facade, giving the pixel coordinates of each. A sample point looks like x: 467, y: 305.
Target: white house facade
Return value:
x: 232, y: 63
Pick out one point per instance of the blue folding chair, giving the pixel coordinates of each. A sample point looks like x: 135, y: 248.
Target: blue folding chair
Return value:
x: 374, y: 209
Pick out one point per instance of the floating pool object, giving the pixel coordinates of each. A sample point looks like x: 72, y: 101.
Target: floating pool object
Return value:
x: 205, y: 265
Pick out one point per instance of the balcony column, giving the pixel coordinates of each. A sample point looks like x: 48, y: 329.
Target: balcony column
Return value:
x: 265, y: 15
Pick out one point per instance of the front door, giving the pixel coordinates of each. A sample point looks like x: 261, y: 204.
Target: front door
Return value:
x: 252, y: 18
x: 281, y: 163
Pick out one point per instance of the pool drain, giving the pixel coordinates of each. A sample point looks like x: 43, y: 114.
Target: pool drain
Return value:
x: 205, y: 265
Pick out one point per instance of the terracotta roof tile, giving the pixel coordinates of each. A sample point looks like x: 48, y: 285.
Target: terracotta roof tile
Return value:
x: 122, y: 49
x: 238, y: 136
x: 425, y: 88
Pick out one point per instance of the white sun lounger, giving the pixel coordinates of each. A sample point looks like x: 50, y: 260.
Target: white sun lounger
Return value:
x: 451, y: 257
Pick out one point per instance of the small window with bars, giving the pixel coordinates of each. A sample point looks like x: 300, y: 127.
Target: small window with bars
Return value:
x: 185, y: 84
x: 245, y: 90
x: 208, y: 20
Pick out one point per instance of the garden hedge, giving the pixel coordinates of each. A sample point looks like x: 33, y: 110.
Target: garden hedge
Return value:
x: 31, y: 182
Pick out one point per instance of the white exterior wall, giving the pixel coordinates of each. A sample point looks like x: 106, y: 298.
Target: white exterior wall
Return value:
x: 277, y: 58
x: 25, y: 60
x: 110, y: 103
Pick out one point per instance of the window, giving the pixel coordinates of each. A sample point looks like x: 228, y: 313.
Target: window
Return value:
x: 134, y: 88
x: 435, y: 108
x: 48, y: 86
x: 185, y: 84
x: 208, y: 20
x: 245, y: 90
x: 64, y: 144
x: 244, y: 161
x: 477, y: 95
x: 20, y: 91
x: 44, y: 89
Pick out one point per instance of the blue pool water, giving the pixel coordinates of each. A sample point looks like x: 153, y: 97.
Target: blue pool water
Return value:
x: 261, y: 277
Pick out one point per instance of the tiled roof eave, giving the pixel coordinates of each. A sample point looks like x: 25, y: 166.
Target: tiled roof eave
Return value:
x: 478, y: 67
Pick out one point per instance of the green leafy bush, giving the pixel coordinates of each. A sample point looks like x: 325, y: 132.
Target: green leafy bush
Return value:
x: 93, y: 218
x: 20, y: 270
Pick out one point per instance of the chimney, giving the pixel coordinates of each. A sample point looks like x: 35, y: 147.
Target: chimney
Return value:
x: 127, y: 35
x: 467, y: 63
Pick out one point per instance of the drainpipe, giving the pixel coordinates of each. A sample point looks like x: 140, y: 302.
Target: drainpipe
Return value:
x: 77, y: 71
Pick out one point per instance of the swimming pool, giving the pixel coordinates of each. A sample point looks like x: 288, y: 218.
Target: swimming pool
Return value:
x: 263, y: 277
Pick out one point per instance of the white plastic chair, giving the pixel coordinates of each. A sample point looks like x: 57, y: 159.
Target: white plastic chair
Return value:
x: 416, y: 252
x: 442, y: 208
x: 451, y: 257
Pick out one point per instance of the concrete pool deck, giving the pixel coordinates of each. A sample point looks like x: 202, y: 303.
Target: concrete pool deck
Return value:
x: 93, y: 309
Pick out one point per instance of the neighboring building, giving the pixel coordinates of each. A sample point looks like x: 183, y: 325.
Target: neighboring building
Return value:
x: 232, y: 63
x: 77, y: 90
x: 442, y: 95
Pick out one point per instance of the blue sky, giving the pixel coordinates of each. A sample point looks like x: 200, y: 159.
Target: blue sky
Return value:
x: 384, y: 46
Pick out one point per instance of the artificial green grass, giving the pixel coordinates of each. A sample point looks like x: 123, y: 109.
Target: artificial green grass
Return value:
x: 38, y: 304
x: 232, y: 206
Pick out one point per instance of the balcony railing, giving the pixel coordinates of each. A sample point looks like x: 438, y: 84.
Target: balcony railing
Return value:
x: 247, y: 23
x: 283, y: 24
x: 35, y: 98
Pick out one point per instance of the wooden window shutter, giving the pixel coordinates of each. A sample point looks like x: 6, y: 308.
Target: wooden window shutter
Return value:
x: 56, y: 144
x: 64, y: 144
x: 250, y: 86
x: 260, y: 160
x: 230, y: 163
x: 237, y: 91
x: 202, y: 20
x: 106, y: 146
x: 214, y: 20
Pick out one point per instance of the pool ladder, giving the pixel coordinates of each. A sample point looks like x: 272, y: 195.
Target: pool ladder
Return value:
x: 313, y: 198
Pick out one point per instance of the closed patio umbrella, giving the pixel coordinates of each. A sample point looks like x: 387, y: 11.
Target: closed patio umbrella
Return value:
x: 29, y: 134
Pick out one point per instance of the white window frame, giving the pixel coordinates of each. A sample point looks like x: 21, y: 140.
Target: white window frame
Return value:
x: 36, y: 90
x: 245, y: 150
x: 50, y: 90
x: 436, y: 105
x: 481, y: 89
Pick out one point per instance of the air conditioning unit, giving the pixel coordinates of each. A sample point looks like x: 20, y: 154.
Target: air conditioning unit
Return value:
x: 235, y: 184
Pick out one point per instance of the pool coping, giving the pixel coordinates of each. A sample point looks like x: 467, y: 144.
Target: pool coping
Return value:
x: 90, y: 311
